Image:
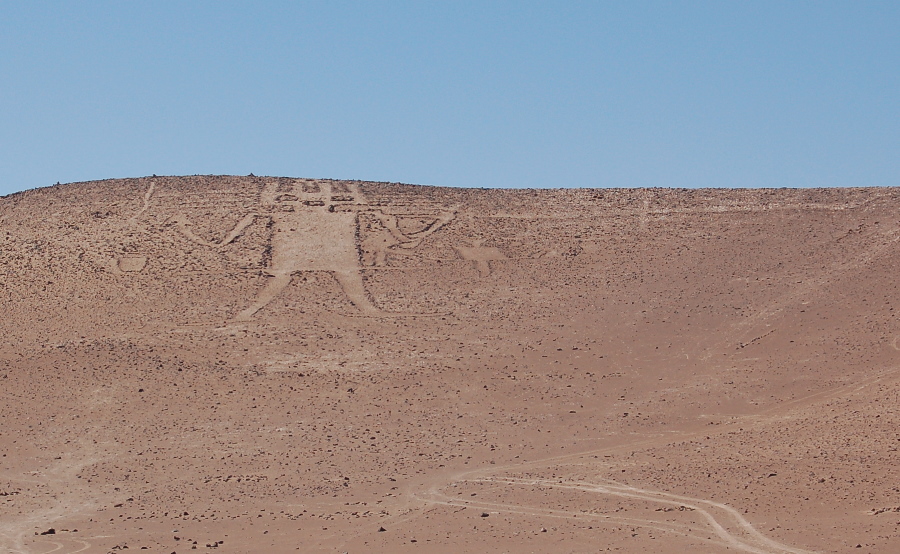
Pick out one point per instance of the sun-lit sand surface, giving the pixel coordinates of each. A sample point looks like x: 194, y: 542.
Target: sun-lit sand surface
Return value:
x: 253, y: 364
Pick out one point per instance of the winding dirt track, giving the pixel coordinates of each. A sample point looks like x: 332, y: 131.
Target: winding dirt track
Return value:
x: 731, y: 528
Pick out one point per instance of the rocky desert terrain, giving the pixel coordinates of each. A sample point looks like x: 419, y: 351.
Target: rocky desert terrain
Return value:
x: 254, y: 364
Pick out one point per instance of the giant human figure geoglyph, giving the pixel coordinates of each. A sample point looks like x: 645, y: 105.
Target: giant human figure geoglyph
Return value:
x: 315, y: 226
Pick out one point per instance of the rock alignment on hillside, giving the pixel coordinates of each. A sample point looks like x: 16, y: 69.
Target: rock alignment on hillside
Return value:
x: 278, y: 364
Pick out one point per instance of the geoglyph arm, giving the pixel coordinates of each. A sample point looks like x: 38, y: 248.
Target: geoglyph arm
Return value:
x: 183, y: 225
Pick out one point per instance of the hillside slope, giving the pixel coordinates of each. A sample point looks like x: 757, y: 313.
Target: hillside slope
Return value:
x: 290, y: 364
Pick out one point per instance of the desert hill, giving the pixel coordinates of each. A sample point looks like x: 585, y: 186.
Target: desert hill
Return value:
x: 260, y: 364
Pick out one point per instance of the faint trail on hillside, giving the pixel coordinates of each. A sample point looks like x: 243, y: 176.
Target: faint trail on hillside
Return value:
x: 726, y: 522
x: 435, y: 497
x: 75, y: 545
x: 749, y: 540
x: 147, y: 196
x: 745, y: 328
x: 68, y: 501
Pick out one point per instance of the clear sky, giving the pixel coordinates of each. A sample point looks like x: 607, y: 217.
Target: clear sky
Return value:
x: 458, y: 93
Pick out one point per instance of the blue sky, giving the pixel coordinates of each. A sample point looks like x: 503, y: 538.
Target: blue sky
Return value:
x: 480, y: 94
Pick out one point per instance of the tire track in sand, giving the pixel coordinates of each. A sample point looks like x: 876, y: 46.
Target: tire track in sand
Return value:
x: 434, y: 497
x: 71, y: 498
x: 725, y: 522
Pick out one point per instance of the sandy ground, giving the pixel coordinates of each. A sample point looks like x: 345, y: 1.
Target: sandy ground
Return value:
x: 253, y: 364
